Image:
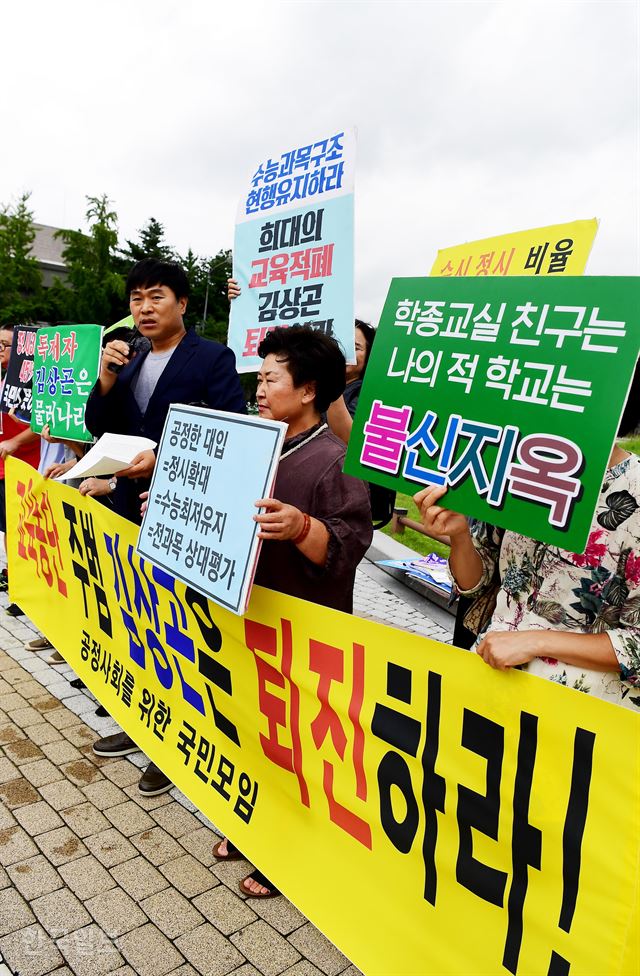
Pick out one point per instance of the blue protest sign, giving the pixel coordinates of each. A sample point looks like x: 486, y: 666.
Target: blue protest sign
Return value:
x: 211, y: 468
x: 293, y: 249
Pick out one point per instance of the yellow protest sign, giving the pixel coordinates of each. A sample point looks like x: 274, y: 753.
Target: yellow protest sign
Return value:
x: 430, y: 815
x: 557, y: 249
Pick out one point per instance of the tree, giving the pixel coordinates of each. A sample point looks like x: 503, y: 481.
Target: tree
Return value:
x: 151, y: 245
x: 96, y: 289
x: 20, y: 277
x: 208, y: 308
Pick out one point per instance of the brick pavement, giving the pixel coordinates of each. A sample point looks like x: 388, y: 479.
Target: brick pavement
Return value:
x: 97, y: 879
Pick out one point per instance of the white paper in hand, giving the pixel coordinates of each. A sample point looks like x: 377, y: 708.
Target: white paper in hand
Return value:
x: 111, y: 453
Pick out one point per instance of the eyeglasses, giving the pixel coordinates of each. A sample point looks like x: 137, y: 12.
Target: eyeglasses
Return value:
x: 5, y: 345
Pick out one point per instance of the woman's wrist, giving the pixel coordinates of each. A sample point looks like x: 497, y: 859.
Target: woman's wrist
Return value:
x: 465, y: 563
x: 304, y: 531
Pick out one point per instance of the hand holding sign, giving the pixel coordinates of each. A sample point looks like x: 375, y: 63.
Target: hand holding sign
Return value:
x: 439, y: 521
x: 279, y: 521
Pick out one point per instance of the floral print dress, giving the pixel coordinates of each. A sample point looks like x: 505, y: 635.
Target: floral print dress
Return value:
x: 546, y: 588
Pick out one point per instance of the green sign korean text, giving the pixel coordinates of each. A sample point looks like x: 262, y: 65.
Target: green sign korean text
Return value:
x: 65, y: 367
x: 508, y: 391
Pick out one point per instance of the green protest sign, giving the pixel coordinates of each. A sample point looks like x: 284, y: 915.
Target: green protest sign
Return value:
x: 508, y: 391
x: 125, y: 323
x: 66, y: 364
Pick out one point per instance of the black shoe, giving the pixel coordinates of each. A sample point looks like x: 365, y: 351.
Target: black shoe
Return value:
x: 119, y: 744
x: 4, y: 581
x: 101, y: 712
x: 14, y: 610
x: 153, y: 782
x: 77, y: 683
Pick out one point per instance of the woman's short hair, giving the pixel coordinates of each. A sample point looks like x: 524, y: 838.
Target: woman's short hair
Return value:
x: 311, y: 357
x: 630, y: 420
x: 369, y: 334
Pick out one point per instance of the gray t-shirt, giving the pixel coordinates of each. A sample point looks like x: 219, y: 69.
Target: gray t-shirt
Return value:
x: 148, y: 375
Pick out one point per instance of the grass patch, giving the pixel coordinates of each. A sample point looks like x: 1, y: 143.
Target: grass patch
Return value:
x: 630, y: 444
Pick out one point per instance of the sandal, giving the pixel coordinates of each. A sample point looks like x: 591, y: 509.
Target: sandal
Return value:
x: 263, y: 880
x: 233, y: 854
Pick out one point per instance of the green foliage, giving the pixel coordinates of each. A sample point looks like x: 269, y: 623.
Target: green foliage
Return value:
x: 208, y: 309
x: 630, y: 444
x: 20, y: 278
x: 96, y: 289
x: 151, y: 245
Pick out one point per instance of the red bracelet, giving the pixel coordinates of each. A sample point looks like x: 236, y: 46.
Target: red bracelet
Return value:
x: 304, y: 532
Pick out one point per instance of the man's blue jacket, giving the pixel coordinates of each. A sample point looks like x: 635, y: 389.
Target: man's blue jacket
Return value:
x: 199, y: 371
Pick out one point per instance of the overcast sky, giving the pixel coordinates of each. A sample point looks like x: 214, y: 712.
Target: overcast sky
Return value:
x: 474, y: 118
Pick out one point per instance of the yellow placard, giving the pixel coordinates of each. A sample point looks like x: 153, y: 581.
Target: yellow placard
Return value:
x: 430, y: 815
x: 557, y: 249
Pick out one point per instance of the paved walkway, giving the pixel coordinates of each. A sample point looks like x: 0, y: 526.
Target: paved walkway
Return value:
x: 95, y: 878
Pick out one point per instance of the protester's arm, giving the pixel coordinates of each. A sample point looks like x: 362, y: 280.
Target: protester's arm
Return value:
x: 340, y: 420
x: 75, y: 446
x: 96, y: 487
x: 617, y: 649
x: 282, y: 522
x: 507, y: 649
x: 13, y: 444
x: 341, y: 504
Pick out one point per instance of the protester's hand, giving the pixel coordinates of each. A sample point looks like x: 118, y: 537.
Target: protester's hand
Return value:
x: 45, y: 434
x: 504, y: 649
x: 280, y: 521
x: 95, y: 487
x: 55, y: 470
x: 233, y: 289
x: 141, y: 467
x: 8, y: 447
x: 437, y: 520
x: 144, y: 498
x: 115, y: 351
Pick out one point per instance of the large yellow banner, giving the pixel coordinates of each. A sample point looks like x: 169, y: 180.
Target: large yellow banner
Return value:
x: 430, y: 815
x: 558, y: 249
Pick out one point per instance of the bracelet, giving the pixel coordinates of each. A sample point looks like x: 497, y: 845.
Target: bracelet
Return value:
x: 304, y: 532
